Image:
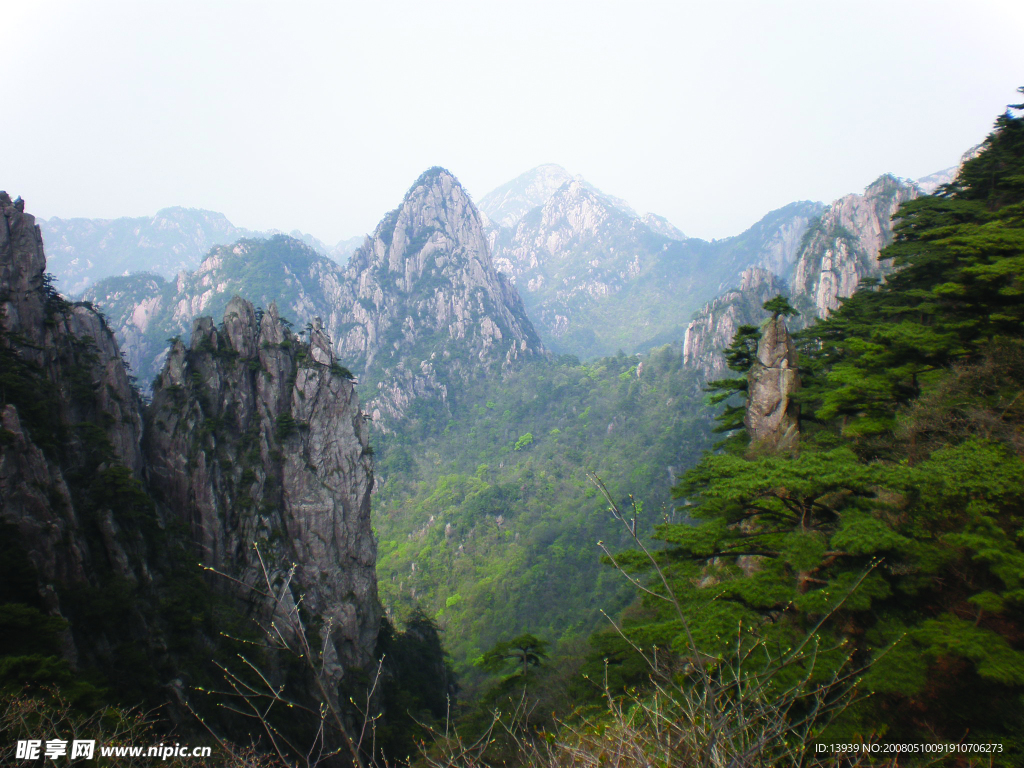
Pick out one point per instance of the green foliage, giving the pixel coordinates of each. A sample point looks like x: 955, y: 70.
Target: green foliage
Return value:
x: 959, y: 258
x: 513, y: 533
x: 284, y: 426
x: 517, y: 655
x: 523, y: 441
x: 739, y: 356
x: 419, y: 687
x: 895, y: 533
x: 24, y: 385
x: 780, y: 306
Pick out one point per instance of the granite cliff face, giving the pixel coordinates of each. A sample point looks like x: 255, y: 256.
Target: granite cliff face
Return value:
x: 256, y: 439
x: 713, y: 328
x: 71, y: 430
x: 254, y: 436
x: 841, y: 248
x: 422, y: 304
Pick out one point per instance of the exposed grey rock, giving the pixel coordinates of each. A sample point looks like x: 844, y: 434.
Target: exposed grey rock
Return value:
x: 713, y: 328
x: 422, y: 303
x: 145, y: 310
x: 255, y: 438
x: 29, y: 486
x: 772, y: 418
x: 596, y: 278
x: 85, y: 412
x: 841, y: 249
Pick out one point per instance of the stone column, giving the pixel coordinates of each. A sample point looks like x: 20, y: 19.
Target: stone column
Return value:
x: 772, y: 418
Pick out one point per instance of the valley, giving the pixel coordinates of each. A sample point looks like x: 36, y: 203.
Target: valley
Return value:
x: 494, y: 451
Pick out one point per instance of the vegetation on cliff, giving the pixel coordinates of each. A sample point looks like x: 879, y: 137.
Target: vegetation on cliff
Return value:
x: 894, y: 533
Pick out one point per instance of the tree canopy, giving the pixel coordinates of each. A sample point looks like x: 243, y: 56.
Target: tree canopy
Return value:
x: 899, y: 521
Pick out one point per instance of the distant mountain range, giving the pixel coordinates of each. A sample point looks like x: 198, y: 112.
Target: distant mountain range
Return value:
x: 418, y: 305
x: 597, y: 277
x: 82, y: 251
x: 838, y: 250
x: 584, y: 274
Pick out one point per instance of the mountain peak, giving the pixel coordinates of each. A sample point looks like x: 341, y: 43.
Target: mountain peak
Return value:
x: 424, y: 288
x: 509, y: 202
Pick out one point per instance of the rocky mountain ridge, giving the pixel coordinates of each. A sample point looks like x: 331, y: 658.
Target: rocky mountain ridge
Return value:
x: 422, y: 303
x: 595, y: 277
x: 418, y: 306
x: 83, y: 251
x: 145, y: 309
x: 95, y: 489
x: 508, y: 203
x: 839, y: 249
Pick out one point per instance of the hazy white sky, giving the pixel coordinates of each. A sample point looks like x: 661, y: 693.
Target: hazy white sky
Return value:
x: 319, y: 115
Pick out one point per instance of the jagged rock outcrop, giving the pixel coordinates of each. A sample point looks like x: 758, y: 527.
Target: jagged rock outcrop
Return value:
x: 145, y: 310
x: 841, y: 248
x: 713, y: 328
x: 772, y: 417
x: 422, y: 303
x: 70, y: 420
x: 255, y: 438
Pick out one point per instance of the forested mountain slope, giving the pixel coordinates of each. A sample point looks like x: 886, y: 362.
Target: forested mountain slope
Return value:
x: 886, y: 531
x: 490, y: 521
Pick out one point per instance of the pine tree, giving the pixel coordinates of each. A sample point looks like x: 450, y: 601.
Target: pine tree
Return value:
x: 912, y: 553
